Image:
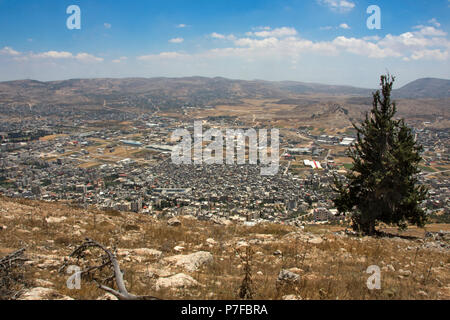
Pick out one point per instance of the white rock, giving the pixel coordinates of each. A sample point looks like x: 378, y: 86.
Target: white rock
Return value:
x: 291, y: 297
x: 405, y: 273
x: 391, y: 267
x: 40, y: 293
x: 147, y: 252
x: 178, y: 248
x: 191, y: 262
x: 174, y: 222
x: 177, y: 281
x: 107, y: 296
x: 241, y: 244
x: 55, y: 219
x: 316, y: 240
x: 44, y: 283
x: 286, y: 276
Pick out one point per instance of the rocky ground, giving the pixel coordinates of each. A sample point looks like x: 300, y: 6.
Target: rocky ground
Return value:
x: 184, y: 258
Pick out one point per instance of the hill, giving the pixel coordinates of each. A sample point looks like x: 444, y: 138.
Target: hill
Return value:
x: 425, y: 88
x: 204, y: 260
x: 196, y: 91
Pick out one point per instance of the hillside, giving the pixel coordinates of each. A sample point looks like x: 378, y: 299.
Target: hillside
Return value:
x: 425, y: 88
x: 205, y: 260
x: 194, y: 91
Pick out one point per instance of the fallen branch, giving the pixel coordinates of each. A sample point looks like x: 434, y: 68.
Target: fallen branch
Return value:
x: 108, y: 260
x: 12, y: 260
x: 11, y: 280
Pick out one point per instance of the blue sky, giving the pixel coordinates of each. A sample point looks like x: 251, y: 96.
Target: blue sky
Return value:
x: 323, y: 41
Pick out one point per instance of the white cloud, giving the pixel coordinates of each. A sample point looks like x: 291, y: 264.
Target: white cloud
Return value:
x: 421, y: 43
x: 176, y: 40
x: 277, y: 33
x: 341, y: 26
x: 9, y: 51
x: 410, y: 41
x: 257, y: 43
x: 83, y: 57
x: 364, y: 48
x: 119, y: 60
x: 371, y: 38
x: 86, y: 57
x: 262, y: 28
x: 338, y: 5
x: 434, y: 22
x: 164, y: 55
x: 217, y: 35
x: 430, y: 55
x: 182, y: 25
x: 429, y: 31
x: 107, y: 25
x: 53, y: 55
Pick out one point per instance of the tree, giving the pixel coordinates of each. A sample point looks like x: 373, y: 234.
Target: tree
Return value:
x: 383, y: 184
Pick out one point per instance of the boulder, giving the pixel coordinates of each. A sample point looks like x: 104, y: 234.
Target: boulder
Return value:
x: 316, y: 240
x: 108, y: 296
x: 55, y: 219
x: 177, y: 281
x: 277, y: 253
x: 174, y: 222
x: 40, y: 293
x: 147, y: 252
x: 287, y: 277
x: 291, y: 297
x: 44, y: 283
x: 191, y: 262
x: 405, y: 273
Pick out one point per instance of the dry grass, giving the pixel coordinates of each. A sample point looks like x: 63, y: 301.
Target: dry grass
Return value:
x: 332, y: 269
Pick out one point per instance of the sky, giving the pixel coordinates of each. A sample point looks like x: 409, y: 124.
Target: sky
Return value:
x: 324, y: 41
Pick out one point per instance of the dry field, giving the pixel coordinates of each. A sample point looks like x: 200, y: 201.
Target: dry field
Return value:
x: 151, y: 253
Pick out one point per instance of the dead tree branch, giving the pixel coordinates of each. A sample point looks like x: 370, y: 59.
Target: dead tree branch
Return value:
x: 10, y: 279
x: 108, y: 260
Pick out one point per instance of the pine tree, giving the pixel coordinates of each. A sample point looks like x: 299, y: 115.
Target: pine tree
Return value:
x: 382, y: 186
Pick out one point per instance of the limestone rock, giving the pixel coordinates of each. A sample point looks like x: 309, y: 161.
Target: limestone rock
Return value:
x: 191, y: 262
x: 40, y: 293
x: 55, y: 219
x: 177, y: 281
x: 174, y: 222
x: 291, y: 297
x: 287, y: 277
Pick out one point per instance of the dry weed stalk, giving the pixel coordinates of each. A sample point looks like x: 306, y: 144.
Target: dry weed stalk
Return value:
x: 246, y: 288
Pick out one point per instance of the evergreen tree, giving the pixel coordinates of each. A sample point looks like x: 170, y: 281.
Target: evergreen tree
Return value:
x: 382, y: 186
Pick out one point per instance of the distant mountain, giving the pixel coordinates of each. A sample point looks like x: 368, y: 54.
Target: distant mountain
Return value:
x: 191, y: 91
x: 425, y: 88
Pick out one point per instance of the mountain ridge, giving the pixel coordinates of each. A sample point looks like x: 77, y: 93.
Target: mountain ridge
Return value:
x: 194, y: 91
